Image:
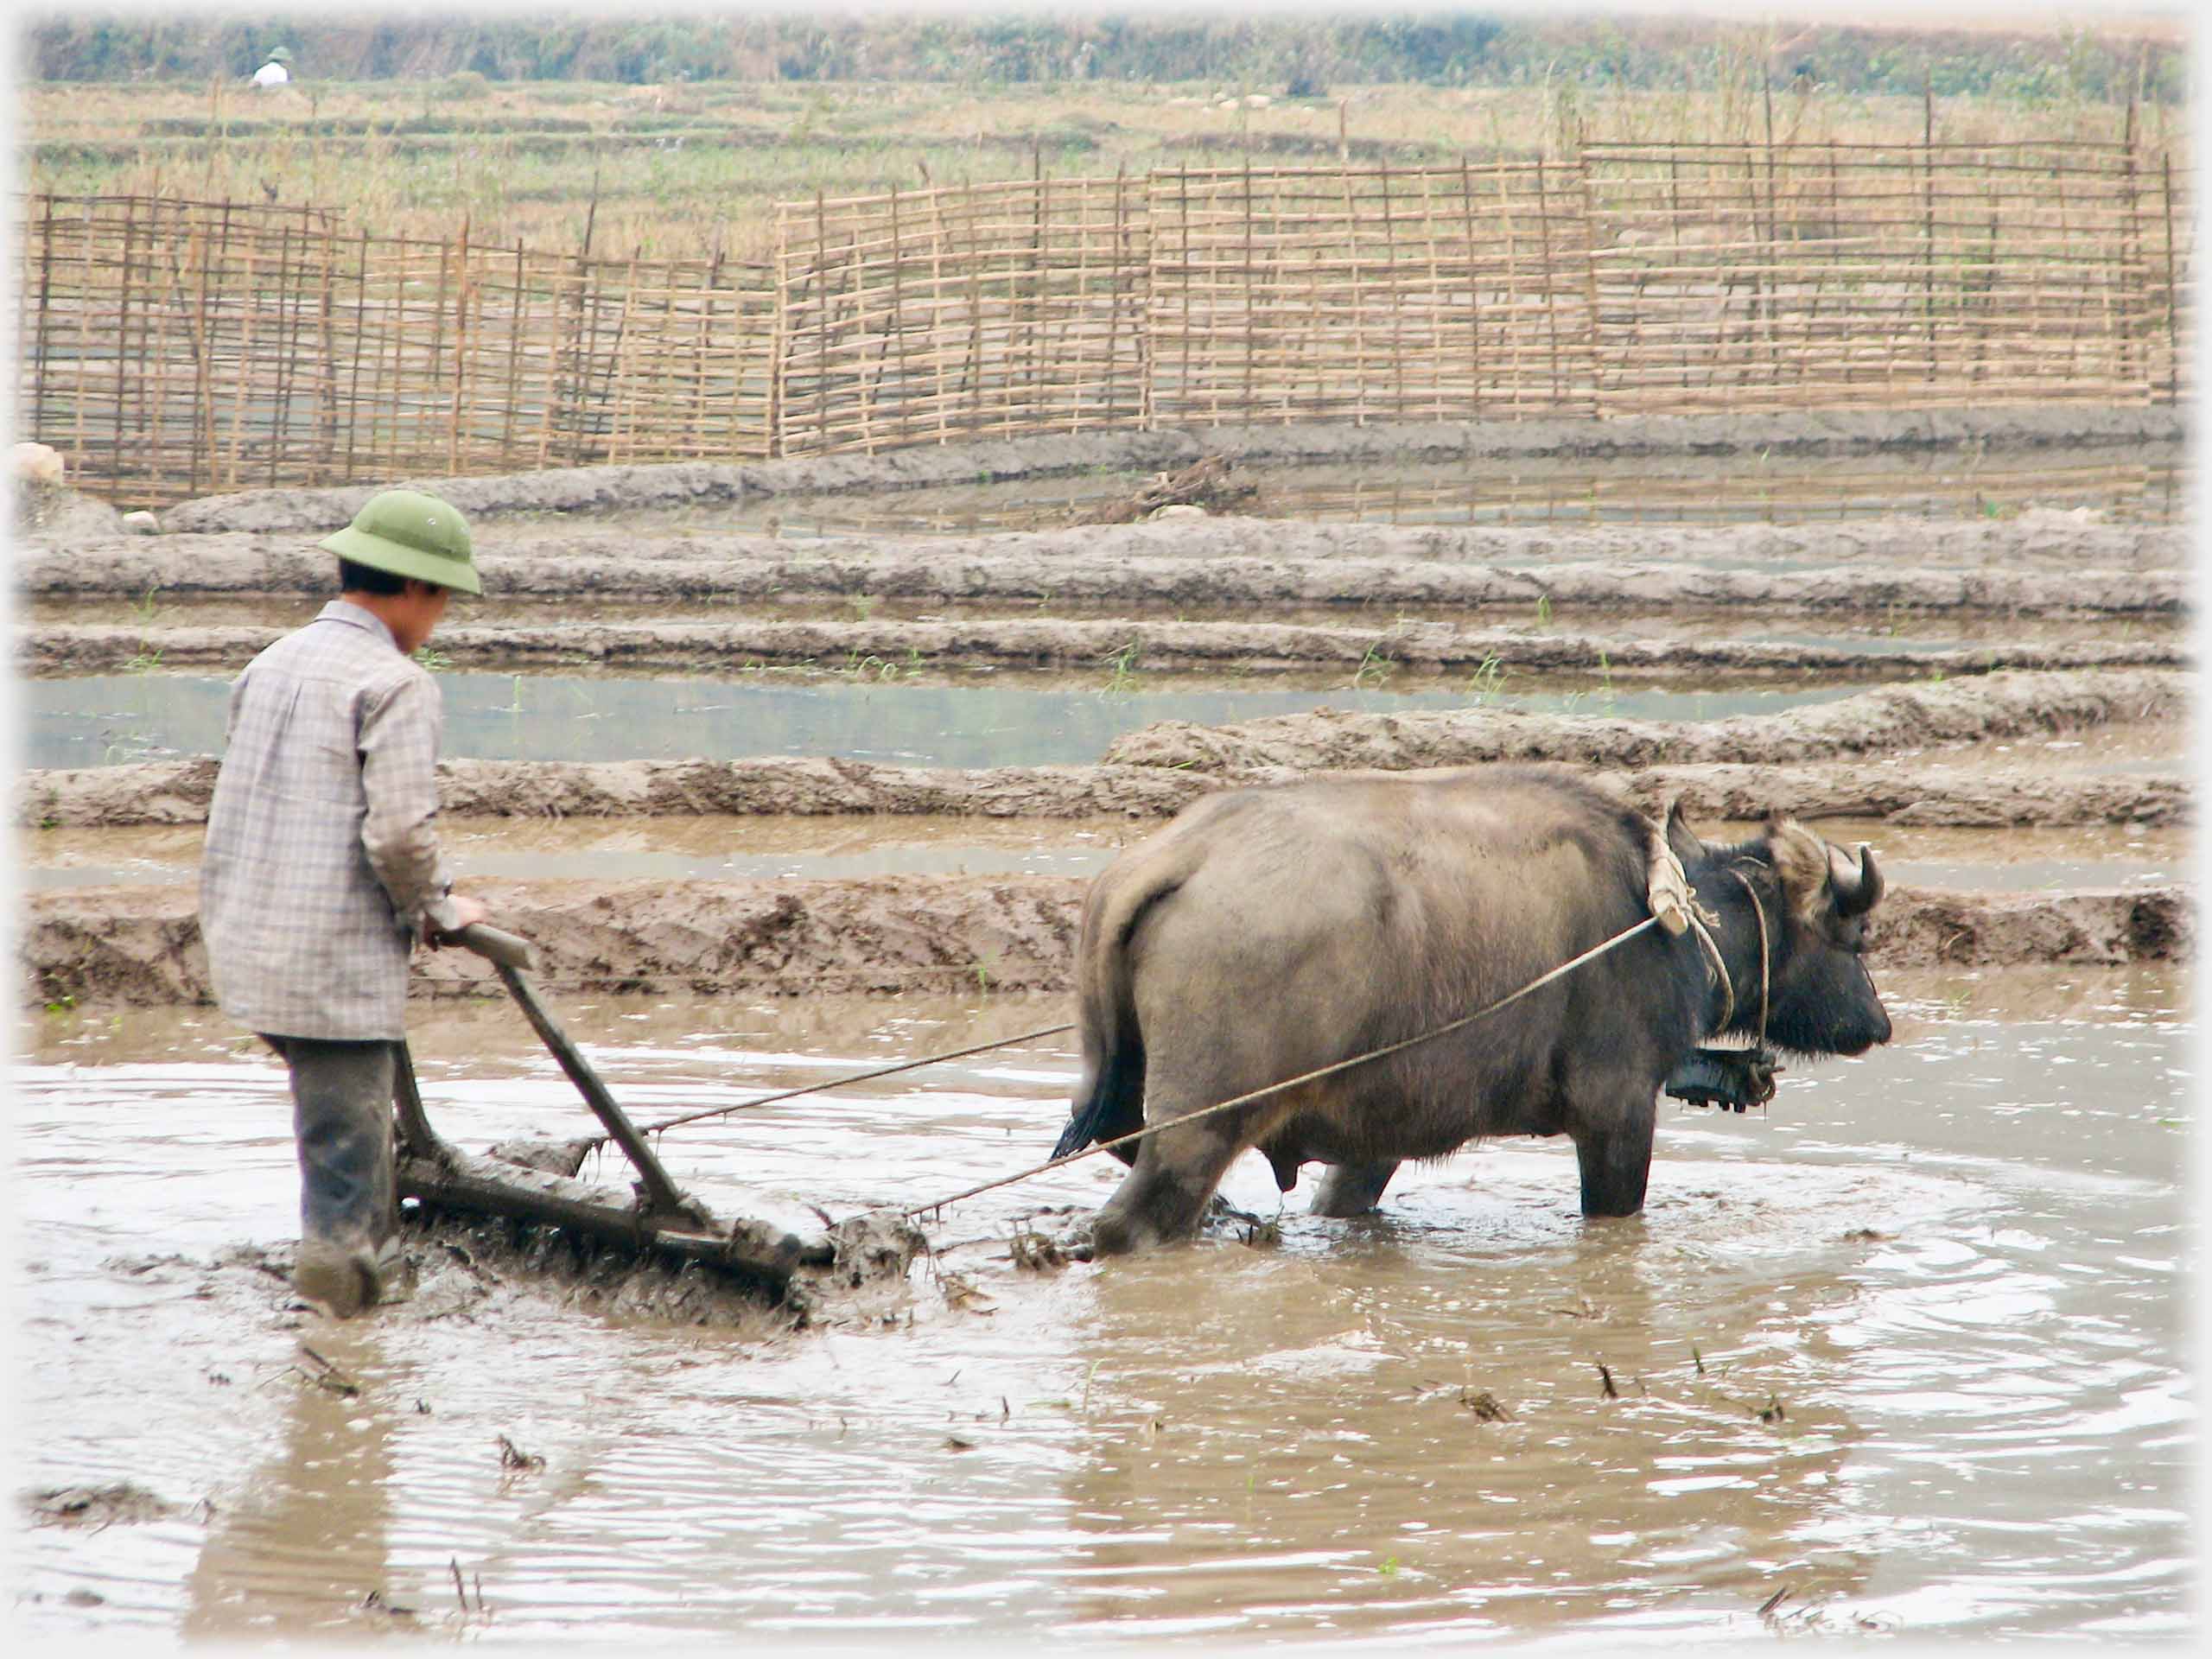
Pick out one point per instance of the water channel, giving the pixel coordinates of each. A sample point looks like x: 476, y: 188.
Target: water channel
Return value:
x: 925, y: 721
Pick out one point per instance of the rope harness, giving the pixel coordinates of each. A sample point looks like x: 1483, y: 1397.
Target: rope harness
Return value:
x: 857, y: 1077
x: 1765, y: 970
x: 1734, y: 1079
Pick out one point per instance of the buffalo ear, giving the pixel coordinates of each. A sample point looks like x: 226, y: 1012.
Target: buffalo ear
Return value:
x: 1800, y: 864
x: 1681, y: 840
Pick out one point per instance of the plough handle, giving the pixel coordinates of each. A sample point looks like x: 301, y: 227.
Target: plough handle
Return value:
x: 497, y: 945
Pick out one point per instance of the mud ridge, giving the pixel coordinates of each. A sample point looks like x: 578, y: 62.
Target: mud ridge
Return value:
x: 769, y: 571
x: 1887, y: 721
x: 177, y: 791
x: 1431, y: 647
x: 674, y: 484
x: 140, y: 946
x: 585, y: 556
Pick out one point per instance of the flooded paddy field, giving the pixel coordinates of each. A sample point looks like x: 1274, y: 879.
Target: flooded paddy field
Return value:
x: 1904, y: 1351
x: 1901, y: 1354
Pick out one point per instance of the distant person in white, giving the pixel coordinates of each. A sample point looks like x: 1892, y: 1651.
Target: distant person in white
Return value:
x: 271, y: 73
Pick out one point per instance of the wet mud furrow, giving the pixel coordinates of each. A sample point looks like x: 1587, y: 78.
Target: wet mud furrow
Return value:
x: 1217, y: 563
x: 1151, y: 643
x: 140, y: 945
x: 177, y: 792
x: 1886, y: 721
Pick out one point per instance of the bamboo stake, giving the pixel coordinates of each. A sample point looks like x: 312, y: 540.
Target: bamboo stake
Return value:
x: 2173, y: 280
x: 899, y: 321
x: 1928, y: 234
x: 360, y: 330
x: 1474, y: 296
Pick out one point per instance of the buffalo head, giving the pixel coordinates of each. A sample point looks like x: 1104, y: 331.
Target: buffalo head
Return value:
x: 1817, y: 900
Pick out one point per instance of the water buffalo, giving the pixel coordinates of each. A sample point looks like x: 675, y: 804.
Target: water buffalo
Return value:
x: 1267, y: 932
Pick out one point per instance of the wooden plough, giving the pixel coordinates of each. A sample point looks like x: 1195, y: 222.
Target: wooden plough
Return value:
x: 656, y: 1217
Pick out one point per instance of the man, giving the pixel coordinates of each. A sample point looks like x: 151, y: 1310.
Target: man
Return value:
x: 322, y: 868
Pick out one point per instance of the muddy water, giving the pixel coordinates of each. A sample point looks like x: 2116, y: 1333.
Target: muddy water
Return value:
x: 888, y: 714
x: 1950, y: 1275
x: 715, y: 849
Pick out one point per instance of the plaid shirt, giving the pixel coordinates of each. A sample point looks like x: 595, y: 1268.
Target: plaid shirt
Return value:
x: 321, y: 862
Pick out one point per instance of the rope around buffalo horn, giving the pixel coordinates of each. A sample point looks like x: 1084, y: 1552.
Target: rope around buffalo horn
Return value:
x: 1135, y: 1136
x: 1759, y: 910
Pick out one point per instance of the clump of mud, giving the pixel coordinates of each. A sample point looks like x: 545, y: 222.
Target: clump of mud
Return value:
x: 1205, y: 484
x: 94, y: 1507
x: 454, y: 1266
x: 56, y: 513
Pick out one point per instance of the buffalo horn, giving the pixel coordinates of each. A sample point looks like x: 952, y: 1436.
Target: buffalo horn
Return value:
x: 1858, y: 883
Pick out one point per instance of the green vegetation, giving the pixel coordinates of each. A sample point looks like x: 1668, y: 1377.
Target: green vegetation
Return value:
x: 1488, y: 675
x: 1294, y: 56
x: 880, y: 670
x: 1121, y: 673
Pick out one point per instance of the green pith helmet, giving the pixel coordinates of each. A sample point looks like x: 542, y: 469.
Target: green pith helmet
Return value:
x: 280, y: 55
x: 407, y: 533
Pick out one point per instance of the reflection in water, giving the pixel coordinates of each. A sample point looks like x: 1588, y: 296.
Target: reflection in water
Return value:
x: 306, y: 1544
x: 1907, y: 1344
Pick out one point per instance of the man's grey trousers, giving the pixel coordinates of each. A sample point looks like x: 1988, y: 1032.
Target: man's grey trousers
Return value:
x: 341, y: 1118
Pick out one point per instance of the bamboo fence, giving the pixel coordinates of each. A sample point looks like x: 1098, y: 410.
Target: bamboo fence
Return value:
x: 992, y: 310
x: 1835, y: 275
x: 1363, y: 295
x: 179, y: 348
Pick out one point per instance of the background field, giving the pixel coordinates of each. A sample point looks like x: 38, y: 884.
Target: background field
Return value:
x: 685, y: 133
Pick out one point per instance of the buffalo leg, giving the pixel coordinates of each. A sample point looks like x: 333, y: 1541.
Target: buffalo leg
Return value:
x: 1617, y: 1161
x: 1164, y: 1195
x: 1352, y: 1189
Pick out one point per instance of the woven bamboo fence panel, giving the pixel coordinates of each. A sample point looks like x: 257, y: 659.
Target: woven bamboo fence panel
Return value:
x: 990, y: 310
x: 175, y: 348
x: 135, y: 325
x: 1453, y: 293
x: 1834, y: 276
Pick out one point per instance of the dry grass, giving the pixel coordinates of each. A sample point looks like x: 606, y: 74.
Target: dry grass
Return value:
x: 686, y: 171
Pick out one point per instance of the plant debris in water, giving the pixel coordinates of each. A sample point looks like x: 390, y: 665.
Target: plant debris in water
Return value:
x: 94, y: 1506
x: 513, y: 1457
x: 1484, y: 1405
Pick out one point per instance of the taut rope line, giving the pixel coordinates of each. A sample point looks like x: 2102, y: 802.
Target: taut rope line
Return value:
x: 1564, y: 968
x: 857, y: 1077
